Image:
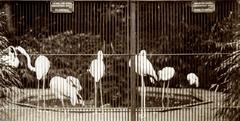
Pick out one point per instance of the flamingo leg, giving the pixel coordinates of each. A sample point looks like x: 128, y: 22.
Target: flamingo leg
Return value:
x: 168, y: 94
x: 65, y: 112
x: 143, y: 98
x: 101, y: 98
x: 38, y: 89
x: 43, y: 90
x: 101, y: 93
x: 95, y: 100
x: 62, y: 103
x: 163, y: 94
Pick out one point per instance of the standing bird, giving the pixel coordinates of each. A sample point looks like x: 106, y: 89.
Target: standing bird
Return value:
x: 144, y: 67
x: 165, y: 74
x: 42, y: 65
x: 193, y: 79
x: 11, y: 58
x: 66, y: 88
x: 97, y: 70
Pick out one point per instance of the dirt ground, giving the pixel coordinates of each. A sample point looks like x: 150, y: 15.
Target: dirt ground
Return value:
x: 203, y: 112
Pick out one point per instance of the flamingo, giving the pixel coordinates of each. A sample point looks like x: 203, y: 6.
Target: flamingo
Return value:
x: 42, y: 65
x: 144, y: 67
x: 11, y: 59
x: 165, y: 74
x: 193, y: 79
x: 97, y: 70
x: 66, y: 88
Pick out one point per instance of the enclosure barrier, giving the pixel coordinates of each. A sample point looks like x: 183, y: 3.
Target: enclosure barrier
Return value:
x: 169, y: 31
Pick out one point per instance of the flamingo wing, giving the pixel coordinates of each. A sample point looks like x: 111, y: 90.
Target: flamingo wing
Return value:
x: 145, y: 67
x: 61, y: 88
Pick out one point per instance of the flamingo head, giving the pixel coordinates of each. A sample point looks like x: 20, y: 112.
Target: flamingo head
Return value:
x: 143, y: 53
x: 13, y: 55
x: 21, y: 50
x: 193, y: 79
x: 12, y: 50
x: 74, y: 81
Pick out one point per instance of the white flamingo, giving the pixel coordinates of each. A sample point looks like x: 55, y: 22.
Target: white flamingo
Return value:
x: 66, y: 88
x: 144, y: 67
x: 193, y: 79
x: 97, y: 70
x: 164, y: 75
x: 11, y: 59
x: 42, y: 65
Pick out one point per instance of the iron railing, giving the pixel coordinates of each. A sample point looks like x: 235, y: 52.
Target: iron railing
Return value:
x: 167, y: 29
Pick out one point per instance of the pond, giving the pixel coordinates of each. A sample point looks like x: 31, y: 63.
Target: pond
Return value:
x: 151, y: 101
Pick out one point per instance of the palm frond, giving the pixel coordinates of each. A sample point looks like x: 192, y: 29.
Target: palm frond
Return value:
x: 229, y: 72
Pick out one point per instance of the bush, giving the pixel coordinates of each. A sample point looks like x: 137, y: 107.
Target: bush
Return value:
x: 229, y: 74
x: 8, y: 76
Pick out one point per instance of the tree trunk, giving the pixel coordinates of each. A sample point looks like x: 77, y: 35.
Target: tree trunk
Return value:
x: 7, y: 7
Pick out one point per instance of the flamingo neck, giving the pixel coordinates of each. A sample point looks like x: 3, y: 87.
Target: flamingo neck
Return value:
x: 23, y: 51
x: 29, y: 63
x: 100, y: 57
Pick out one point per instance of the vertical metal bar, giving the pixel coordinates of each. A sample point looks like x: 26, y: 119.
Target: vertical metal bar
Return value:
x: 132, y: 52
x: 128, y: 50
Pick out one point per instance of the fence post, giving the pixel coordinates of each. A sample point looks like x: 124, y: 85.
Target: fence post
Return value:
x: 132, y: 52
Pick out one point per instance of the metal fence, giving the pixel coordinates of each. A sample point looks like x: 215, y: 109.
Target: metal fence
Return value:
x: 167, y: 29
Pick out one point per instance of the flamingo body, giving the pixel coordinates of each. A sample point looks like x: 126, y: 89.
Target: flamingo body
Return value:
x: 42, y: 65
x: 63, y: 88
x: 166, y: 73
x: 97, y: 69
x: 193, y: 79
x: 143, y: 66
x: 11, y: 59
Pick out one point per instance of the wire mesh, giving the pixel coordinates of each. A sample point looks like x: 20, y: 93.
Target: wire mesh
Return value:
x: 169, y: 32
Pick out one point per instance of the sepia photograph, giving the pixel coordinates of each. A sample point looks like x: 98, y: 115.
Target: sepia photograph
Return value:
x: 120, y: 60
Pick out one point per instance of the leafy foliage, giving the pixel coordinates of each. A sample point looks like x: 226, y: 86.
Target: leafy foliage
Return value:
x: 8, y: 76
x: 228, y: 72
